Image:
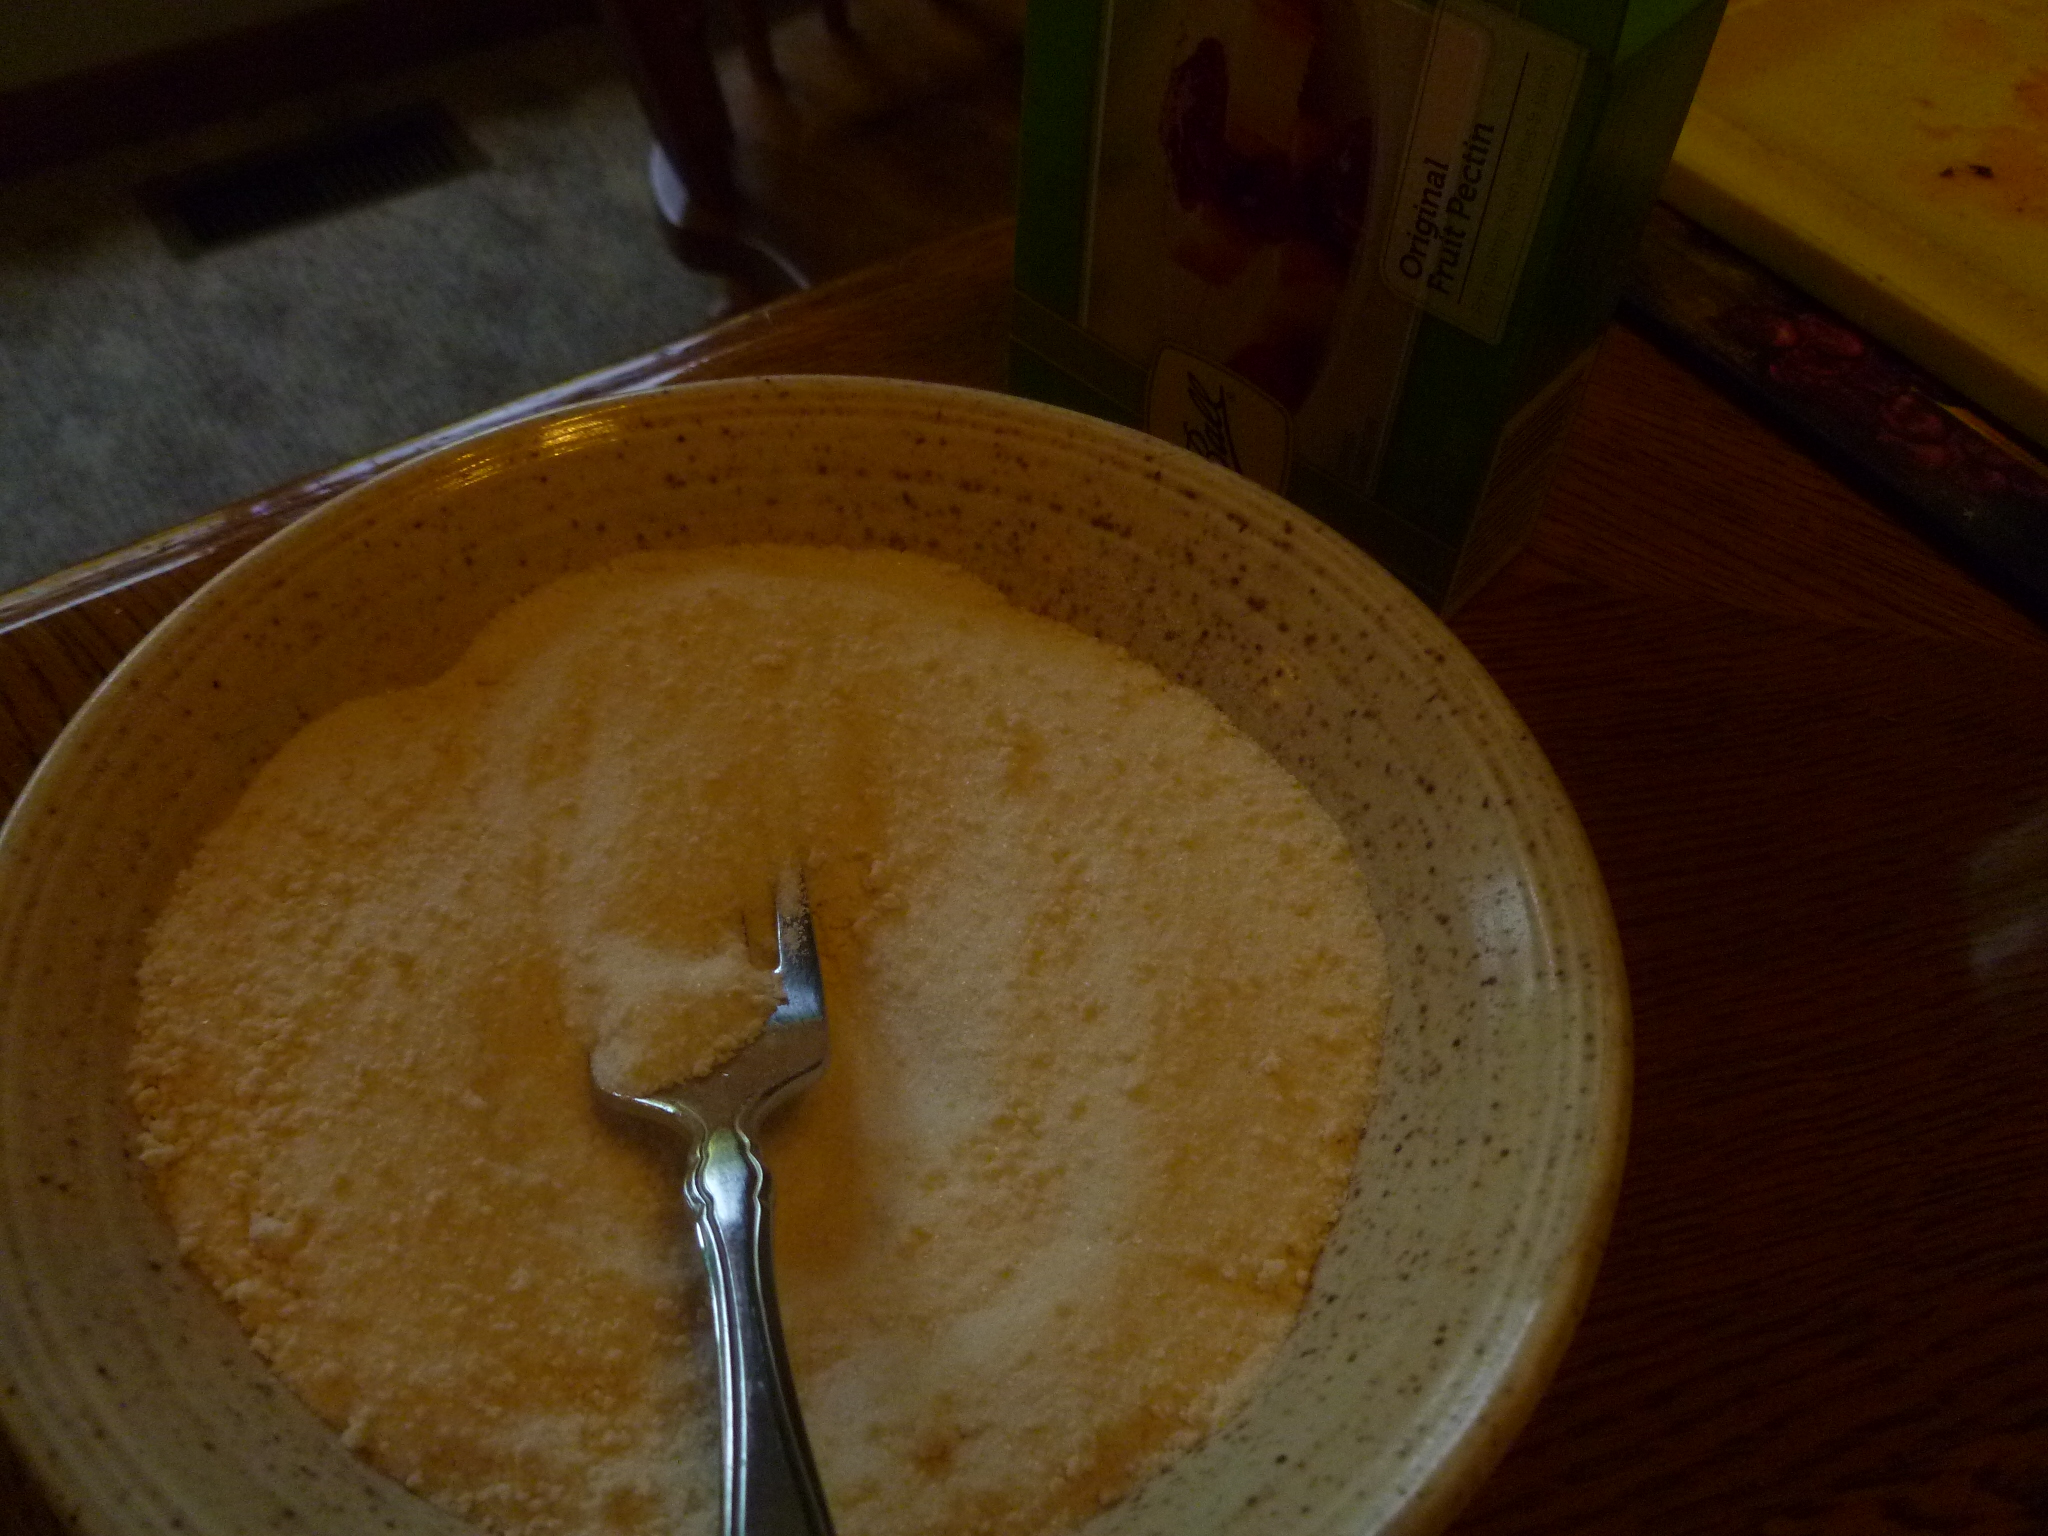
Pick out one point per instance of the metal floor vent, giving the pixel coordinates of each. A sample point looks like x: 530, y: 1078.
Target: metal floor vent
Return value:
x: 364, y: 162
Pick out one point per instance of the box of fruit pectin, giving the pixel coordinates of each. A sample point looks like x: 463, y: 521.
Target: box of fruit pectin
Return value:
x: 1359, y: 250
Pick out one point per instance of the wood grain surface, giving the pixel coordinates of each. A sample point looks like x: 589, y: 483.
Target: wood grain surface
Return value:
x: 1812, y: 758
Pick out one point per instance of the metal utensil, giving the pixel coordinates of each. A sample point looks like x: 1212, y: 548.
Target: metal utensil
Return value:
x: 771, y: 1484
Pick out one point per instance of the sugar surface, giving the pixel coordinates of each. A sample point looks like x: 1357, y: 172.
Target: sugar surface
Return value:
x: 1104, y: 987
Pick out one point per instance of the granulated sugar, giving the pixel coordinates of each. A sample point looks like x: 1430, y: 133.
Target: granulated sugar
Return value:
x: 1104, y: 990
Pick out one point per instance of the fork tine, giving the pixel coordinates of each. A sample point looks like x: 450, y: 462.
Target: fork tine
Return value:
x: 796, y: 946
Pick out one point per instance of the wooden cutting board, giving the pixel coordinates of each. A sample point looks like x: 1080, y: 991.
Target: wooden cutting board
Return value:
x: 1891, y: 157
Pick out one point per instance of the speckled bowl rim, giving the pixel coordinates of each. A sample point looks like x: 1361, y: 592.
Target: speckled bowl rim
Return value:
x: 1454, y: 1470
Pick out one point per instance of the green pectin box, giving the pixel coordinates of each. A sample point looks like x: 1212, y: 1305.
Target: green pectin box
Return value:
x: 1360, y: 250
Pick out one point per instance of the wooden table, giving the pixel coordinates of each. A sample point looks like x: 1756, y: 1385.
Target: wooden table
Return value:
x: 1813, y: 761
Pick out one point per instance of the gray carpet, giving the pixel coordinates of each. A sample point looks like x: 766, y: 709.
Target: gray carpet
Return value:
x: 138, y: 387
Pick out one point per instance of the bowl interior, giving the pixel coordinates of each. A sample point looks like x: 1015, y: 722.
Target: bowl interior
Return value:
x: 1484, y: 1181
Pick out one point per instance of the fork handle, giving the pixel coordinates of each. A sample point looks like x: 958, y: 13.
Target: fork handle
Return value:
x: 771, y: 1483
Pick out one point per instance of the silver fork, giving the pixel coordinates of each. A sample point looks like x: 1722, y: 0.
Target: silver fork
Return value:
x: 771, y: 1483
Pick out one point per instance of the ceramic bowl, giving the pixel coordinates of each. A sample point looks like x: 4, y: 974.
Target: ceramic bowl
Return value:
x: 1486, y: 1175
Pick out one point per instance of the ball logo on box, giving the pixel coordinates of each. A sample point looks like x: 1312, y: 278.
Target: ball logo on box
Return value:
x: 1211, y: 411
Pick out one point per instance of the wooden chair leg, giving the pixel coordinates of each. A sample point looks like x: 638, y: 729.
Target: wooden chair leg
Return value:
x: 668, y: 60
x: 729, y: 249
x: 755, y: 44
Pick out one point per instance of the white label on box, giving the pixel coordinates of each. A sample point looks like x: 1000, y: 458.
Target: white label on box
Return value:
x: 1496, y: 96
x: 1213, y: 412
